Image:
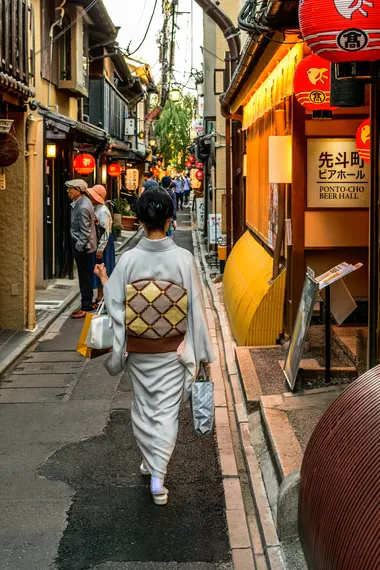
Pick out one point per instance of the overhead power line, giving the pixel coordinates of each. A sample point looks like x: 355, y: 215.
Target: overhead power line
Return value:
x: 147, y: 30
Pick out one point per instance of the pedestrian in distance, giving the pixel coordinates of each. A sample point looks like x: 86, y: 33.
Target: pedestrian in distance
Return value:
x: 178, y: 182
x: 166, y: 183
x: 105, y: 252
x: 155, y: 300
x: 187, y: 189
x: 148, y: 177
x: 83, y: 239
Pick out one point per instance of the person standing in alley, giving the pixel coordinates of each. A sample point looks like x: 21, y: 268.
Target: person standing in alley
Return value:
x: 178, y: 182
x: 161, y: 337
x: 166, y: 183
x: 83, y: 238
x: 148, y: 177
x: 187, y: 189
x: 105, y: 252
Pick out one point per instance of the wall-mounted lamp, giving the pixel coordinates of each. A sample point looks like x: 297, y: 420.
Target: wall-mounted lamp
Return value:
x: 141, y: 135
x: 280, y: 160
x: 104, y: 174
x: 152, y: 142
x: 51, y: 151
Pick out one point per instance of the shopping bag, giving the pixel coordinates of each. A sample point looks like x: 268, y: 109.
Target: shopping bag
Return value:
x: 100, y: 332
x: 202, y: 403
x: 82, y: 348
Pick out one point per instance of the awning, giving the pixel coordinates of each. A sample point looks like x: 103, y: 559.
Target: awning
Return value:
x: 9, y: 83
x: 255, y: 306
x: 70, y: 125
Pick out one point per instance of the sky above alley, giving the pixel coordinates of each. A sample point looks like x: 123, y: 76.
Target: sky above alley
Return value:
x: 188, y: 42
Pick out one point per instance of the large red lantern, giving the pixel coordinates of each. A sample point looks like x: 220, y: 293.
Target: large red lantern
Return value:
x: 312, y: 83
x: 84, y: 164
x: 199, y: 174
x: 114, y: 169
x: 341, y: 30
x: 363, y: 140
x: 199, y: 165
x: 189, y: 164
x: 192, y: 159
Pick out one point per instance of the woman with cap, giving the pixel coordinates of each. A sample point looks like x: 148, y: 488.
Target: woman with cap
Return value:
x: 105, y: 252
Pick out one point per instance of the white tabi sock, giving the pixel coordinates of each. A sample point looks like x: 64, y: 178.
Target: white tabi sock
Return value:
x: 156, y: 486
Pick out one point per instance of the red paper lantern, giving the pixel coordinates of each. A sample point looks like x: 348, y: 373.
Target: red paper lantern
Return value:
x: 199, y: 174
x: 84, y: 164
x: 363, y: 140
x: 312, y: 83
x: 341, y: 30
x: 188, y: 164
x: 192, y: 159
x: 114, y: 169
x: 199, y: 165
x: 156, y: 171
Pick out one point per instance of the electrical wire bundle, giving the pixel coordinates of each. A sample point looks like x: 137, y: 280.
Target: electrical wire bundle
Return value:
x: 251, y: 15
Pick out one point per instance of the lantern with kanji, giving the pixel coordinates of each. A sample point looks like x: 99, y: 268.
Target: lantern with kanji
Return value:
x: 341, y: 30
x: 199, y: 165
x: 199, y: 174
x: 192, y: 159
x: 84, y: 164
x: 312, y: 82
x: 188, y: 165
x: 363, y: 140
x: 114, y: 169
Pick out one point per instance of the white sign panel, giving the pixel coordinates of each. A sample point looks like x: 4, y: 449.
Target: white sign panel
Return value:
x: 336, y: 175
x: 200, y: 212
x: 130, y: 127
x: 198, y: 126
x: 214, y: 228
x: 132, y: 179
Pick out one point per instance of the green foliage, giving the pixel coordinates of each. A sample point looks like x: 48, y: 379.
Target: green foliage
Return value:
x: 173, y: 130
x: 122, y: 207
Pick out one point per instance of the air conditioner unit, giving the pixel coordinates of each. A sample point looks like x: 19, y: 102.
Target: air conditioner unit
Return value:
x: 73, y: 53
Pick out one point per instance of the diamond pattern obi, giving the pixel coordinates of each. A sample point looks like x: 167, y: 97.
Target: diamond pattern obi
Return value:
x: 156, y: 316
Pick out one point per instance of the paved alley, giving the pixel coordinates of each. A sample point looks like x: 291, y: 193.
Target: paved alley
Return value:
x: 72, y: 497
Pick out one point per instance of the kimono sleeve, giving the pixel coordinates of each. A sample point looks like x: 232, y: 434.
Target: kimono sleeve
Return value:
x: 114, y: 295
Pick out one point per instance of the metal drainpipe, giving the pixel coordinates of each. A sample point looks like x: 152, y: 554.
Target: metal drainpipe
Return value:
x: 231, y: 34
x: 30, y: 154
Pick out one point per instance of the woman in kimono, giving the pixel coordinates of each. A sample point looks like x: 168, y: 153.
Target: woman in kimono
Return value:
x: 154, y: 297
x: 105, y: 252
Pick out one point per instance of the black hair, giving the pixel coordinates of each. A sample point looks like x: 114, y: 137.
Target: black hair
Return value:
x: 148, y: 174
x: 166, y: 182
x: 154, y: 207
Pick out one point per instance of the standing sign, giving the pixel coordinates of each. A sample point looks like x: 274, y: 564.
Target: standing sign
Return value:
x: 336, y: 175
x: 132, y: 179
x: 200, y: 213
x: 198, y: 126
x: 214, y: 228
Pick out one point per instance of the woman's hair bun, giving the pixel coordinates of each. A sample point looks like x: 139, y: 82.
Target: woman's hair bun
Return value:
x: 154, y: 208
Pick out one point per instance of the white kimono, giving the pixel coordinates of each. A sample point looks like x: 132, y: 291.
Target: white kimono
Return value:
x: 158, y: 380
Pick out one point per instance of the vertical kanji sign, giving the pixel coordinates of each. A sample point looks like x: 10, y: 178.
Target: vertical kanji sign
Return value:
x: 132, y: 179
x: 337, y: 177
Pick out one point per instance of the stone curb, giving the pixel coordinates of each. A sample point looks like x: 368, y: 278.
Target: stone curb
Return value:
x: 238, y: 530
x: 46, y: 322
x: 272, y: 548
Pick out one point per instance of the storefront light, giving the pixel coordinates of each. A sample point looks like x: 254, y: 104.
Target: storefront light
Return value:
x: 141, y: 135
x: 280, y: 160
x: 51, y: 151
x: 152, y: 142
x: 104, y: 174
x: 175, y: 95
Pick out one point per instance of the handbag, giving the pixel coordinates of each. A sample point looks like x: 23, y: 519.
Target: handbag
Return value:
x: 202, y: 403
x: 100, y: 332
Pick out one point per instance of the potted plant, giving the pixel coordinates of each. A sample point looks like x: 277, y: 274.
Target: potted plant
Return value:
x: 123, y: 208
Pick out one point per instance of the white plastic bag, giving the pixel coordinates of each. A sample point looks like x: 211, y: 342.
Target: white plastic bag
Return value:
x: 100, y: 333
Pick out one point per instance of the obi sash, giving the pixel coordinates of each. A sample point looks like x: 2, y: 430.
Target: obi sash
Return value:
x: 156, y: 316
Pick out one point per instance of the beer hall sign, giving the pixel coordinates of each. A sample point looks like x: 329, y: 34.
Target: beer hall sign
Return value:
x: 337, y: 177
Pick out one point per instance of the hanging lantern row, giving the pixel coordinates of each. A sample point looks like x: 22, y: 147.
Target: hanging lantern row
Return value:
x: 312, y: 83
x: 84, y: 164
x: 341, y: 31
x: 363, y: 140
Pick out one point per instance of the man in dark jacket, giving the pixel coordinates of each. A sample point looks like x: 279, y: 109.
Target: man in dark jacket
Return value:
x: 83, y: 237
x: 166, y: 183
